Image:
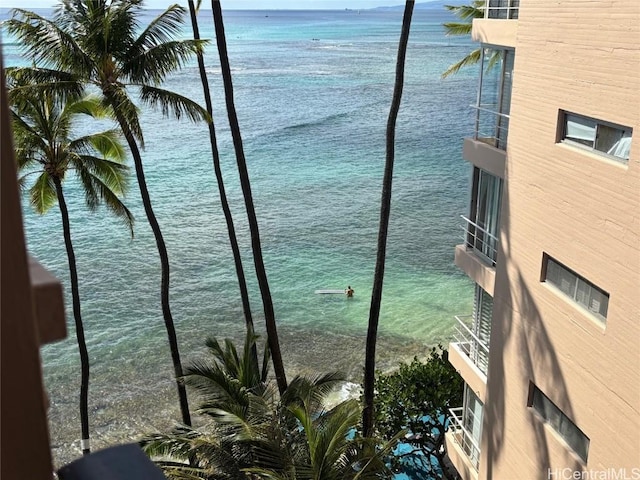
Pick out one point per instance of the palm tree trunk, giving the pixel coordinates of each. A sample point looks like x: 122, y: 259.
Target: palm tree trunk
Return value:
x: 261, y: 274
x: 237, y: 259
x: 164, y: 261
x: 385, y: 211
x: 77, y: 316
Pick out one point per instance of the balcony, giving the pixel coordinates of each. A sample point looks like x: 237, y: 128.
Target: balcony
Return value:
x: 491, y: 126
x: 463, y: 440
x: 487, y: 157
x: 483, y: 243
x: 470, y: 344
x: 469, y: 352
x: 494, y: 97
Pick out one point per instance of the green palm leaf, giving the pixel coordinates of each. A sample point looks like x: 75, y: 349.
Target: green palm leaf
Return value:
x: 171, y: 103
x: 152, y: 65
x: 471, y: 59
x: 108, y: 143
x: 46, y: 43
x: 43, y: 193
x: 103, y: 180
x: 255, y: 434
x: 456, y: 28
x: 29, y: 82
x: 162, y: 29
x: 466, y: 13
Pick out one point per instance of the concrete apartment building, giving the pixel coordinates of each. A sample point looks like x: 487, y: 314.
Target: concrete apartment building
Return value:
x: 551, y: 353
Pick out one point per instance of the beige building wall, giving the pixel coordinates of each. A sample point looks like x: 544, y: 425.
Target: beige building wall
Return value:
x: 583, y: 210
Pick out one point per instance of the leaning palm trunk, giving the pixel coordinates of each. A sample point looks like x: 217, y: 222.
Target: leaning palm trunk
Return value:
x: 77, y: 316
x: 237, y: 259
x: 261, y: 274
x: 164, y: 259
x: 385, y: 210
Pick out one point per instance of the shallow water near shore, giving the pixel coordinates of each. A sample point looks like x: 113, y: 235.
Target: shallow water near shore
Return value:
x: 313, y: 91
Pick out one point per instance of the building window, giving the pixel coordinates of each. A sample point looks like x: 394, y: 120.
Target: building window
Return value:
x: 580, y: 290
x: 596, y: 135
x: 482, y: 229
x: 472, y: 421
x: 502, y: 9
x: 494, y: 96
x: 551, y: 414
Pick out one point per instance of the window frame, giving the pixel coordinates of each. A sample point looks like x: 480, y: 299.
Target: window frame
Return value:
x: 578, y: 281
x: 556, y: 419
x: 562, y: 134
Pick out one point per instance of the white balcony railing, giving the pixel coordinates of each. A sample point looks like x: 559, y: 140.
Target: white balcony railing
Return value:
x: 491, y: 127
x: 472, y: 345
x: 459, y: 419
x: 484, y: 243
x: 505, y: 9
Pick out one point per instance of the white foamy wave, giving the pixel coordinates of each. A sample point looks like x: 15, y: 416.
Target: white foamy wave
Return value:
x: 347, y: 391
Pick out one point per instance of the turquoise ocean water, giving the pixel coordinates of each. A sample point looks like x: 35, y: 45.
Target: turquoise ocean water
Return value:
x: 313, y: 91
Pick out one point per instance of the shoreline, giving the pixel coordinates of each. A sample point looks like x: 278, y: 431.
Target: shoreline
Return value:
x: 154, y: 407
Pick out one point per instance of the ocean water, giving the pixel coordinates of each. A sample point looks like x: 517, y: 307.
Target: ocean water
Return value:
x: 313, y: 90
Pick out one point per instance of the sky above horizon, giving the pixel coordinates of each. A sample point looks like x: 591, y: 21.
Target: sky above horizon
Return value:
x: 238, y: 4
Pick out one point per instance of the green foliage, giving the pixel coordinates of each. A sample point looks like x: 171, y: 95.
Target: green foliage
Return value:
x: 47, y: 150
x: 253, y: 434
x: 99, y: 42
x: 417, y: 397
x: 466, y: 13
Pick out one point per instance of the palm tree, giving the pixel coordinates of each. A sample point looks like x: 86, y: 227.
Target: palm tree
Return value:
x: 47, y: 151
x: 233, y: 241
x: 385, y: 211
x: 253, y: 434
x: 261, y: 274
x: 98, y: 42
x: 466, y: 13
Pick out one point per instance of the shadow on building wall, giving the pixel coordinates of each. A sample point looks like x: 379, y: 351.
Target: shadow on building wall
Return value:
x: 521, y: 331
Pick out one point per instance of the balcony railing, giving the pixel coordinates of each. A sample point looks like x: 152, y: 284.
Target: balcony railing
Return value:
x: 472, y: 345
x: 485, y: 244
x: 462, y: 436
x: 505, y: 9
x: 491, y: 127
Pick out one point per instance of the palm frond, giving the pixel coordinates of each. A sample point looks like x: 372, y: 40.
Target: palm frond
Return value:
x: 494, y: 59
x: 45, y: 42
x: 311, y: 391
x: 30, y: 82
x: 467, y: 12
x: 108, y: 144
x: 151, y: 66
x: 43, y: 193
x: 90, y: 105
x: 471, y: 59
x: 171, y: 103
x: 29, y: 143
x: 176, y: 445
x: 214, y: 384
x: 91, y: 195
x: 164, y: 28
x: 457, y: 28
x: 102, y: 181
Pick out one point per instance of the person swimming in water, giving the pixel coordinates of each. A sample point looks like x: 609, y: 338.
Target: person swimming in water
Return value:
x: 349, y: 291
